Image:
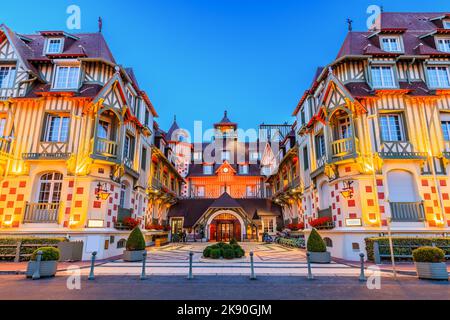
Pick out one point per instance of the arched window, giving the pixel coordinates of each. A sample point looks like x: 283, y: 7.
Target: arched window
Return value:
x: 50, y: 186
x: 324, y: 196
x: 402, y: 186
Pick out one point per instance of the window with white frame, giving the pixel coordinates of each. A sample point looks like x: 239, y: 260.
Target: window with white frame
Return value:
x: 56, y: 128
x: 7, y: 76
x: 50, y: 186
x: 445, y: 125
x: 67, y: 77
x: 104, y: 129
x: 54, y: 46
x: 391, y: 44
x: 207, y: 169
x: 383, y: 77
x: 446, y: 24
x: 243, y: 169
x: 438, y: 77
x: 320, y: 145
x: 2, y: 127
x: 443, y: 45
x: 391, y: 126
x: 128, y: 147
x: 269, y: 225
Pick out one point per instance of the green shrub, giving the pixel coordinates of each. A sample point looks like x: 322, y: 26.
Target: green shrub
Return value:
x: 239, y: 252
x: 405, y: 245
x: 228, y: 253
x: 207, y: 252
x: 227, y: 247
x: 48, y: 254
x: 315, y: 242
x: 428, y: 254
x: 221, y: 244
x: 136, y: 241
x: 215, y: 254
x: 233, y: 242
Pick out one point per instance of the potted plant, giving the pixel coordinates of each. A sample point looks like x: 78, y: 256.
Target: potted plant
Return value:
x: 317, y: 248
x: 430, y: 263
x: 135, y: 246
x: 48, y: 264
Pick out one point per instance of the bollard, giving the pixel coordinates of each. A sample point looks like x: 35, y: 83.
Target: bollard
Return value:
x: 252, y: 267
x: 91, y: 274
x: 362, y: 277
x: 144, y: 261
x: 36, y: 274
x: 310, y: 275
x: 190, y: 276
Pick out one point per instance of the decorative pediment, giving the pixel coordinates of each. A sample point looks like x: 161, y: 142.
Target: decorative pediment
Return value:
x: 112, y: 94
x: 225, y: 169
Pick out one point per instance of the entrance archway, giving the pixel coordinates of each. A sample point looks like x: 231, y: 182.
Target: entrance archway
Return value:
x: 225, y: 226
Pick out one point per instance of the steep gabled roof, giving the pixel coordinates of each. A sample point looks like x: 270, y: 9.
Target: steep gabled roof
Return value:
x: 225, y: 201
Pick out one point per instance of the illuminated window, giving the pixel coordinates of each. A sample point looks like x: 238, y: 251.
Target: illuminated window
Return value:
x: 66, y: 77
x: 438, y: 77
x: 383, y: 77
x: 57, y: 128
x: 207, y: 169
x: 7, y: 77
x: 54, y: 46
x: 392, y: 128
x: 50, y: 186
x: 243, y: 169
x: 269, y: 225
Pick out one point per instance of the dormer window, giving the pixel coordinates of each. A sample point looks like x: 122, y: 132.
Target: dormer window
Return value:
x: 446, y: 24
x: 7, y: 77
x: 67, y: 77
x: 438, y: 77
x: 207, y: 169
x: 391, y: 44
x: 443, y: 45
x: 54, y: 46
x: 383, y: 77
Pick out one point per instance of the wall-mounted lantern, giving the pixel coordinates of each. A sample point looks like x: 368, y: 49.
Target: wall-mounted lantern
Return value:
x: 102, y: 192
x: 347, y: 191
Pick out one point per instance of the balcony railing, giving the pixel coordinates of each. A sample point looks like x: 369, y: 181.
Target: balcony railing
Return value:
x: 41, y: 213
x: 128, y: 163
x: 344, y: 147
x: 236, y: 191
x: 106, y: 148
x: 400, y: 150
x: 407, y: 211
x: 5, y: 147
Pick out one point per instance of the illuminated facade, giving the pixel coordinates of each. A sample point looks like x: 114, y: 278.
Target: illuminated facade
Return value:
x: 77, y: 142
x: 373, y: 134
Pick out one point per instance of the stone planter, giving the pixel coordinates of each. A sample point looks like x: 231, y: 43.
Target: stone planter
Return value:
x: 47, y: 268
x: 320, y: 257
x: 432, y: 271
x: 133, y: 256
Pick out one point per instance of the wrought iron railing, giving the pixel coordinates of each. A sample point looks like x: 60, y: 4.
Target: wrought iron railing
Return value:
x: 41, y: 213
x: 407, y: 211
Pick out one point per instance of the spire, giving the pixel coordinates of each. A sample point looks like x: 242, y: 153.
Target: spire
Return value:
x: 100, y: 24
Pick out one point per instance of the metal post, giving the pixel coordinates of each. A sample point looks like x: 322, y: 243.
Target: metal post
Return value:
x: 391, y: 248
x: 91, y: 274
x: 362, y: 277
x: 376, y: 252
x: 144, y: 261
x: 190, y: 275
x: 36, y: 274
x: 310, y: 275
x: 252, y: 267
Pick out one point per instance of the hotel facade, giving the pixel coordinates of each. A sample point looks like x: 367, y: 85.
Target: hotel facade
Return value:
x: 82, y: 157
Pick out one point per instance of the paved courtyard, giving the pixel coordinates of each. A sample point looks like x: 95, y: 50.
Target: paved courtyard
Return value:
x: 269, y: 259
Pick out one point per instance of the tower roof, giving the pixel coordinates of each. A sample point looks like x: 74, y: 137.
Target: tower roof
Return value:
x: 172, y: 129
x: 225, y: 122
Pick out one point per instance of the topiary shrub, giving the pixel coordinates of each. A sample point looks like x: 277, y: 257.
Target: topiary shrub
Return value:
x: 221, y: 244
x: 207, y: 252
x: 239, y: 252
x: 48, y: 254
x: 227, y: 247
x: 315, y: 242
x: 136, y: 241
x: 228, y: 253
x: 233, y: 242
x: 428, y: 254
x: 215, y: 254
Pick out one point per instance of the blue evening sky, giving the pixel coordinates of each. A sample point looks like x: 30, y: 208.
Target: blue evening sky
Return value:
x: 196, y: 58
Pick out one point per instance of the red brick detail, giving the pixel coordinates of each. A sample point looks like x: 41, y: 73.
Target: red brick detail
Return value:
x: 432, y: 223
x: 351, y: 203
x: 433, y: 189
x: 381, y: 195
x: 69, y: 197
x: 20, y: 197
x: 339, y: 211
x: 115, y: 207
x: 77, y: 218
x: 372, y: 216
x: 22, y: 184
x: 379, y: 182
x: 109, y: 212
x: 110, y: 200
x: 78, y: 204
x: 116, y: 195
x: 448, y: 223
x: 447, y: 210
x: 443, y: 183
x: 337, y: 199
x: 332, y: 194
x: 429, y: 209
x: 370, y: 202
x: 424, y: 183
x: 18, y: 211
x: 368, y: 189
x: 334, y: 206
x: 15, y: 224
x: 3, y: 197
x: 1, y: 211
x: 66, y: 224
x: 71, y: 183
x: 12, y: 191
x: 348, y: 169
x: 334, y: 218
x: 381, y: 209
x: 384, y: 223
x: 340, y: 224
x: 427, y: 196
x: 80, y: 190
x: 5, y: 184
x: 10, y: 204
x: 352, y: 215
x: 445, y: 196
x: 114, y: 219
x: 436, y: 203
x: 97, y: 204
x: 112, y: 187
x: 336, y: 186
x: 68, y: 210
x: 108, y: 224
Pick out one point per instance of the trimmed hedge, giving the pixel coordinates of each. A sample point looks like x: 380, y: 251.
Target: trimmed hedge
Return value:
x: 44, y: 242
x: 428, y: 254
x: 48, y: 254
x: 315, y: 242
x: 136, y: 241
x: 224, y: 250
x: 207, y: 252
x: 215, y: 254
x: 408, y: 245
x: 228, y: 253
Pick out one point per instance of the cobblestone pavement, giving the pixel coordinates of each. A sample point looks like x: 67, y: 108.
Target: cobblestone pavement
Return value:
x: 220, y: 288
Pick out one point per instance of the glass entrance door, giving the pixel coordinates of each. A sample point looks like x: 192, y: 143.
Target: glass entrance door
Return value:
x: 225, y: 232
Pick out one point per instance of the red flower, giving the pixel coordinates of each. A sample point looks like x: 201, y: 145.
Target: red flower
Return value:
x: 296, y: 227
x: 319, y: 222
x: 130, y: 222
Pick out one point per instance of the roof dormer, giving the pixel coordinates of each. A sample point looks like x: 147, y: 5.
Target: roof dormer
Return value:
x: 56, y: 41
